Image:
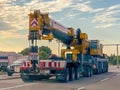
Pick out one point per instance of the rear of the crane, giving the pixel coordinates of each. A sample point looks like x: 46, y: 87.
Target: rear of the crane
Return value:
x: 41, y: 27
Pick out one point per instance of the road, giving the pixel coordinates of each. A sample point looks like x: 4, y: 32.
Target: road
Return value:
x: 106, y: 81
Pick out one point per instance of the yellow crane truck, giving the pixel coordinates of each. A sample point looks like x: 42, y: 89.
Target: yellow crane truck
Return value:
x: 81, y: 56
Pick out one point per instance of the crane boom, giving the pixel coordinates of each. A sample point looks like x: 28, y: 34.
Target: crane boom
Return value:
x: 46, y: 26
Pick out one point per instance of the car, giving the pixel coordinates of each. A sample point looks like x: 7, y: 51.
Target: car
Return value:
x: 15, y: 66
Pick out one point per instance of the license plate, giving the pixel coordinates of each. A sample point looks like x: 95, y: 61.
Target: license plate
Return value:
x: 44, y: 71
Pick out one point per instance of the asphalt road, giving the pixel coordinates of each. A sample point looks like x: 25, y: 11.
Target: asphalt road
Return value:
x: 107, y: 81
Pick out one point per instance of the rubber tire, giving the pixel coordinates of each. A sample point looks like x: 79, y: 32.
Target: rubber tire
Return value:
x: 9, y: 73
x: 77, y: 73
x: 72, y: 74
x: 26, y: 78
x: 97, y: 71
x: 94, y: 72
x: 35, y: 77
x: 106, y: 69
x: 66, y: 75
x: 91, y: 71
x: 88, y: 72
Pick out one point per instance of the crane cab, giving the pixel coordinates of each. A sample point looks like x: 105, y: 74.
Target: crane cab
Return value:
x: 95, y: 48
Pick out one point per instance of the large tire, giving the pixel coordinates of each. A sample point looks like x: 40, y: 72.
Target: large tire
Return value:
x: 87, y: 72
x: 100, y: 68
x: 98, y: 71
x: 91, y: 71
x: 104, y: 67
x: 9, y: 73
x: 77, y: 73
x: 95, y: 71
x: 72, y: 74
x: 37, y: 77
x: 66, y: 75
x: 106, y: 70
x: 26, y: 78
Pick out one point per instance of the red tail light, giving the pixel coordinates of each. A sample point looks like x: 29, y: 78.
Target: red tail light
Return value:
x: 24, y: 64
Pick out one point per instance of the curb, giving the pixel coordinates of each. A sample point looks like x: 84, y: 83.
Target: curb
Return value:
x: 8, y: 78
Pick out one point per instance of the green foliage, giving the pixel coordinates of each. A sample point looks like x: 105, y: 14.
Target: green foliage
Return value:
x: 113, y: 60
x: 25, y: 51
x: 44, y: 52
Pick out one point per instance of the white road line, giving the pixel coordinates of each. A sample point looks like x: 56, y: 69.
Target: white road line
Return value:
x: 104, y: 79
x: 81, y: 88
x: 7, y: 88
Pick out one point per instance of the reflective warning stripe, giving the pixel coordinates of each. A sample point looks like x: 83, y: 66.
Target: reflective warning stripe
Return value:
x: 27, y: 64
x: 50, y: 64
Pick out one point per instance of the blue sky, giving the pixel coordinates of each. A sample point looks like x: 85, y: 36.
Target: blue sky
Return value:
x: 100, y: 19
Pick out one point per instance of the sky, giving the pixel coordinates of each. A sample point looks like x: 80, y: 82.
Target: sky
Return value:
x: 100, y: 19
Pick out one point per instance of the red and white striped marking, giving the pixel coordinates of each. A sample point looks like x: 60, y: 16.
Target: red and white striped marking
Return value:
x: 27, y: 64
x: 34, y: 23
x: 45, y: 64
x: 54, y: 64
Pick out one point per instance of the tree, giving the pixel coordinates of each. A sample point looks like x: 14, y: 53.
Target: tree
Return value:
x: 113, y: 60
x: 44, y: 52
x: 25, y: 51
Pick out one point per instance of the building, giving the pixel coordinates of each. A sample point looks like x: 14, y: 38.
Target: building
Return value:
x: 7, y: 58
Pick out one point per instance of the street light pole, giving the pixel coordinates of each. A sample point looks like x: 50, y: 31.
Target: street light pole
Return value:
x: 116, y: 53
x: 117, y: 56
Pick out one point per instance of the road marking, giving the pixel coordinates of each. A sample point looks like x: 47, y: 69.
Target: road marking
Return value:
x: 81, y: 88
x: 104, y: 79
x: 7, y: 88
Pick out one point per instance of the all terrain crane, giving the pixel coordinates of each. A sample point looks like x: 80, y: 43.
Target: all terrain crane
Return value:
x: 81, y: 56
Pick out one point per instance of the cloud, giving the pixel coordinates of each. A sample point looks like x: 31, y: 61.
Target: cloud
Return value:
x: 11, y: 34
x: 105, y: 25
x: 4, y: 26
x: 51, y: 6
x: 114, y: 7
x: 107, y: 18
x: 97, y: 10
x: 15, y: 16
x: 13, y: 19
x: 84, y: 6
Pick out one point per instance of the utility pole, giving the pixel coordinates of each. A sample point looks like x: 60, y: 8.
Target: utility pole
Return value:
x: 116, y: 52
x: 117, y: 56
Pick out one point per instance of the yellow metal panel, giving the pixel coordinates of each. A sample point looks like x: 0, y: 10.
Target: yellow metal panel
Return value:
x: 38, y: 21
x: 83, y: 36
x: 48, y: 37
x: 94, y: 52
x: 71, y: 31
x: 46, y: 19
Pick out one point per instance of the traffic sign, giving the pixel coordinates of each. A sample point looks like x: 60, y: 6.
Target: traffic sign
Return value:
x: 34, y: 56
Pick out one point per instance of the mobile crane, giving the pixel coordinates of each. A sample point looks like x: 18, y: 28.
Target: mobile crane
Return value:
x: 81, y: 56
